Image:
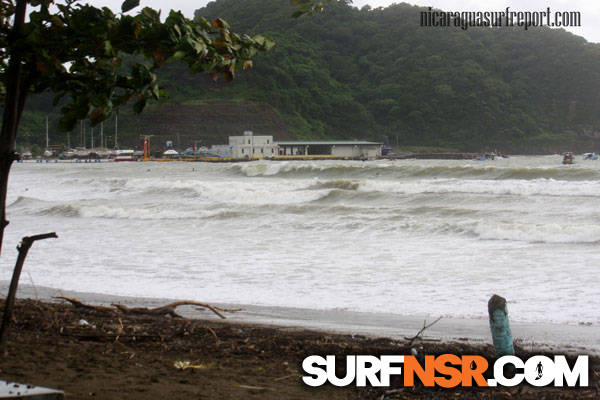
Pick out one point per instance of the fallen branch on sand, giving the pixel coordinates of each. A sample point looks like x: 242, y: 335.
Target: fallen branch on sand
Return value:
x: 418, y: 335
x: 79, y: 304
x: 168, y: 309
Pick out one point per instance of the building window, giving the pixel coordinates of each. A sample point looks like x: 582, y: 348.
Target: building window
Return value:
x: 267, y: 141
x: 261, y: 151
x: 248, y: 141
x: 272, y: 151
x: 242, y: 151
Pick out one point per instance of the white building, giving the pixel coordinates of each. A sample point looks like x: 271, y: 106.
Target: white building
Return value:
x: 246, y: 146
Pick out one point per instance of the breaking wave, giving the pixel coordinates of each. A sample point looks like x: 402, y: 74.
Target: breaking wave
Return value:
x: 22, y: 200
x: 65, y: 210
x: 538, y: 233
x: 338, y: 184
x: 410, y: 169
x: 138, y: 213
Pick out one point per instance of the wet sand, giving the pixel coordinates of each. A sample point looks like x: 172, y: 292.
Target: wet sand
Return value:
x: 573, y: 339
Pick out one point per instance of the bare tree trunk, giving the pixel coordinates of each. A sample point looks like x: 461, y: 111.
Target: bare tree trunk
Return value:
x: 16, y: 92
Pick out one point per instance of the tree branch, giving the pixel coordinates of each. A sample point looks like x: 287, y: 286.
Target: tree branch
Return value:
x: 417, y: 336
x: 23, y: 248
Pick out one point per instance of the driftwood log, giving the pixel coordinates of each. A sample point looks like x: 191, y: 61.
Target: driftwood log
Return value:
x: 167, y: 309
x: 78, y: 304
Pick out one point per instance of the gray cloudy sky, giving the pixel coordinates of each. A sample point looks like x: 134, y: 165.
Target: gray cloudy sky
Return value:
x: 590, y: 9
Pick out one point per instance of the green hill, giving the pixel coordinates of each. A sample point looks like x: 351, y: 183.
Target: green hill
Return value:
x: 377, y: 74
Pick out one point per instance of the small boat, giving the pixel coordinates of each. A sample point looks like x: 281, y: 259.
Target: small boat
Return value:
x: 568, y: 158
x: 172, y: 154
x: 125, y: 155
x: 590, y: 156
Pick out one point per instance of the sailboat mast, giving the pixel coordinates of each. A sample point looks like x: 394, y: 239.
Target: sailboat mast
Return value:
x: 47, y: 138
x: 116, y: 131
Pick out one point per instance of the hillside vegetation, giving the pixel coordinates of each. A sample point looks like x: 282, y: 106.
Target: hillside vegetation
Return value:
x: 377, y: 74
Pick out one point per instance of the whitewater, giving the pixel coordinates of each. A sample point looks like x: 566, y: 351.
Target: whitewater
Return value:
x: 406, y: 237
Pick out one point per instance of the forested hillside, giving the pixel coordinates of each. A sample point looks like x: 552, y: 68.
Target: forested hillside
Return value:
x: 377, y: 74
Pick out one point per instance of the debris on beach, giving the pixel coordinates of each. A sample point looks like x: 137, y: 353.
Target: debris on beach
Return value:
x: 168, y: 309
x: 141, y: 356
x: 182, y: 365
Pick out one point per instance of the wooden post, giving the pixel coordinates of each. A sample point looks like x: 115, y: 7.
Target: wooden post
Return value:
x: 500, y: 327
x: 23, y: 248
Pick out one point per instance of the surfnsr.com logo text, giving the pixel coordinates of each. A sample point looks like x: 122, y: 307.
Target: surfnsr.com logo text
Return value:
x: 446, y: 370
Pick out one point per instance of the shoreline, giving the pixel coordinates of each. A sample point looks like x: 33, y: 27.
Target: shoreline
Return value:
x: 547, y: 337
x: 448, y: 156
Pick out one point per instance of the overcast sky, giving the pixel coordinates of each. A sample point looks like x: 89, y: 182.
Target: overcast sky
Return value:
x: 590, y: 9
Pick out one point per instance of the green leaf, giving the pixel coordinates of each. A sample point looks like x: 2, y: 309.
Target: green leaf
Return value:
x: 151, y: 14
x: 129, y: 5
x: 177, y: 29
x: 179, y: 55
x: 155, y: 91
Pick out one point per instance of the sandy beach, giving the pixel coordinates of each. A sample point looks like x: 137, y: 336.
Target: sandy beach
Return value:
x: 91, y: 354
x: 566, y: 338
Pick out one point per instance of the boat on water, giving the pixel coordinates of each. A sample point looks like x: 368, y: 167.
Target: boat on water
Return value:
x: 590, y: 156
x: 171, y: 154
x: 568, y: 158
x: 125, y: 155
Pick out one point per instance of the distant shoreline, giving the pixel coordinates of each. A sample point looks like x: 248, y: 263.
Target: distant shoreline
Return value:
x: 400, y: 156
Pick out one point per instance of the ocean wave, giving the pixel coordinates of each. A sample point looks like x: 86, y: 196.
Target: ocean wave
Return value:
x: 513, y: 187
x: 488, y: 229
x: 335, y: 184
x: 176, y: 192
x: 161, y: 185
x: 22, y: 200
x: 355, y: 198
x: 538, y: 233
x: 408, y: 169
x: 107, y: 181
x: 308, y: 168
x: 63, y: 210
x: 153, y: 213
